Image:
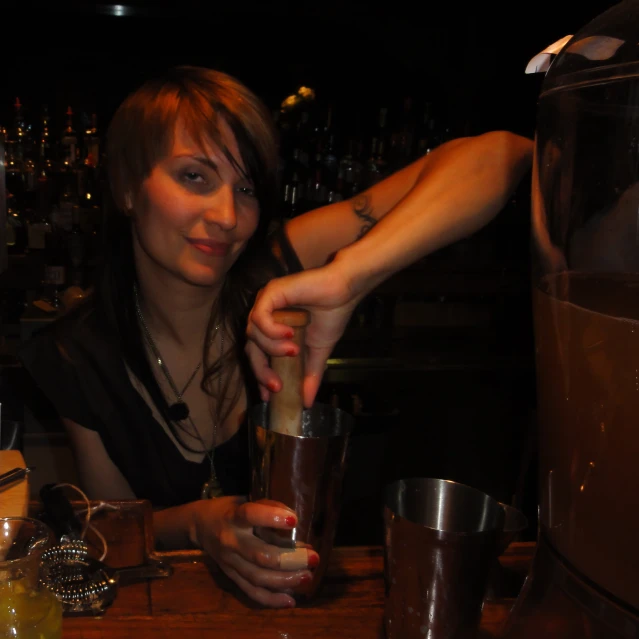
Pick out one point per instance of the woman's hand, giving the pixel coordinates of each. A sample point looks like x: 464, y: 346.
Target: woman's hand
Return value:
x: 223, y: 528
x: 330, y: 297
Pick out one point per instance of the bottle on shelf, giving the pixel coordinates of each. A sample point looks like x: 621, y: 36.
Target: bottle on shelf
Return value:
x: 54, y: 187
x: 294, y: 177
x: 330, y: 166
x: 20, y: 134
x: 76, y: 246
x: 351, y: 169
x: 16, y: 227
x: 68, y: 144
x: 92, y: 143
x: 315, y: 193
x: 44, y: 144
x: 38, y: 228
x: 403, y: 151
x: 68, y: 198
x: 328, y: 126
x: 428, y: 135
x: 39, y: 224
x: 303, y: 138
x: 381, y: 132
x: 381, y: 161
x: 371, y: 168
x: 14, y: 177
x: 55, y: 261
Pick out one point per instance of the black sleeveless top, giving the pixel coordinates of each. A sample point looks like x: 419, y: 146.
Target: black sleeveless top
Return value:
x: 84, y: 377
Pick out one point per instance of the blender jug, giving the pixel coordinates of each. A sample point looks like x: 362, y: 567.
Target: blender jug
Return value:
x: 585, y: 236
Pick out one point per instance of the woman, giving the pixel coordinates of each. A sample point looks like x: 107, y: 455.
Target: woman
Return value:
x: 150, y: 376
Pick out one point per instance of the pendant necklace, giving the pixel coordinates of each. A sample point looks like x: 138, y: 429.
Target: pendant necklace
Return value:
x: 179, y: 411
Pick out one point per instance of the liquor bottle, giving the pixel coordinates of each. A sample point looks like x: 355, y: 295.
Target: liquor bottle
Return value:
x: 92, y: 142
x: 351, y: 170
x: 38, y: 228
x: 405, y: 141
x: 371, y: 169
x: 80, y: 177
x: 16, y: 228
x: 91, y: 191
x: 39, y: 224
x: 381, y: 132
x: 427, y: 136
x: 55, y: 261
x: 335, y: 193
x: 83, y: 126
x: 328, y: 128
x: 76, y: 246
x: 381, y: 161
x: 292, y: 203
x: 330, y: 163
x: 315, y: 194
x: 44, y: 145
x: 14, y: 175
x: 317, y: 132
x: 24, y: 157
x: 67, y: 200
x: 19, y: 134
x: 44, y: 165
x: 283, y: 120
x: 30, y: 179
x: 294, y: 177
x: 68, y: 144
x: 303, y: 138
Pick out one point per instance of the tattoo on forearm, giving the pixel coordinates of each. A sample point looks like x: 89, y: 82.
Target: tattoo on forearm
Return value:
x: 362, y: 207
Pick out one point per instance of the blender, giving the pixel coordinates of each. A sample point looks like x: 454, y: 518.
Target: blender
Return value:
x: 584, y: 579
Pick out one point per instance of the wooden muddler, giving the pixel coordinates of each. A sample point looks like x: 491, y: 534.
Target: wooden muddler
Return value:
x: 286, y: 406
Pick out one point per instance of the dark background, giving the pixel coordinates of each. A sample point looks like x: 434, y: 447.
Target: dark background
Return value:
x: 468, y: 58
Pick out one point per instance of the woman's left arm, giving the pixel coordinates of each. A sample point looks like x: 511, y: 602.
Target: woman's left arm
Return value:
x: 451, y: 193
x: 442, y: 197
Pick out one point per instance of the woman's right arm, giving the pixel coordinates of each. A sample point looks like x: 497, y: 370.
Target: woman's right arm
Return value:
x: 99, y: 477
x: 222, y: 527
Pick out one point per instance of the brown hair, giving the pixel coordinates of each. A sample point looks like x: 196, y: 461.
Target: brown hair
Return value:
x: 142, y: 130
x: 141, y: 134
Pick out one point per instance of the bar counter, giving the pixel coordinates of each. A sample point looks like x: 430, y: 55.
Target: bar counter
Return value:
x: 197, y: 600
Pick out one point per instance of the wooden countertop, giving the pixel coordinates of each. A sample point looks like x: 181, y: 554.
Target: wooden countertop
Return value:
x: 14, y: 498
x: 198, y: 601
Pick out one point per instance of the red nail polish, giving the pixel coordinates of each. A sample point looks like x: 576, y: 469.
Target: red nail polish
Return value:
x: 290, y: 352
x: 290, y: 334
x: 273, y: 387
x: 305, y: 579
x: 313, y: 561
x: 290, y: 521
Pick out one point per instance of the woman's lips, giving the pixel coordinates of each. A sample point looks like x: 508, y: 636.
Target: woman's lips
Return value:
x: 209, y: 247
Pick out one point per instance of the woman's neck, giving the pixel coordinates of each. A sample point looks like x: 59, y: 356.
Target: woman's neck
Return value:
x: 172, y: 308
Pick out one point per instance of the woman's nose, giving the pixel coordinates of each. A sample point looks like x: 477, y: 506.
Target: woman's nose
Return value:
x: 221, y: 209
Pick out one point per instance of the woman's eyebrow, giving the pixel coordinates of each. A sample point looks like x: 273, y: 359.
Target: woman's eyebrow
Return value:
x: 201, y: 159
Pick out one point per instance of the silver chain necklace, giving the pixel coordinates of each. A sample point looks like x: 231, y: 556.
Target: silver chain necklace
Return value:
x: 180, y: 411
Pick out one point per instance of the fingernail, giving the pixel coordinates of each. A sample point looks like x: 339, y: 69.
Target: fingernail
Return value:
x: 313, y: 560
x: 290, y: 603
x: 290, y: 521
x: 273, y: 387
x: 290, y: 352
x: 305, y: 579
x: 290, y: 334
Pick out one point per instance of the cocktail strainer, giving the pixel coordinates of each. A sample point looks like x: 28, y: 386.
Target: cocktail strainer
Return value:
x: 81, y: 582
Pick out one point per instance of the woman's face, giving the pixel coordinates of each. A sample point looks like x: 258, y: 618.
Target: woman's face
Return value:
x: 195, y: 212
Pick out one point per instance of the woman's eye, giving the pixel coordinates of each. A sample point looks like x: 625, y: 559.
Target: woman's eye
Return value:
x: 246, y: 190
x: 193, y: 177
